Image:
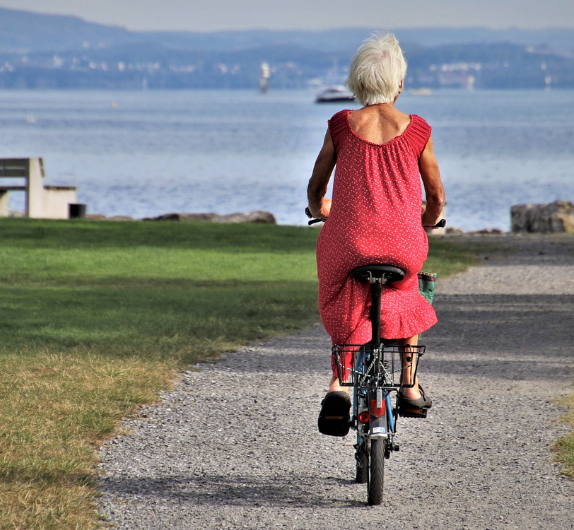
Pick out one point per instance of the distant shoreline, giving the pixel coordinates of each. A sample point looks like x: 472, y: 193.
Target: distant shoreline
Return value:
x: 262, y: 217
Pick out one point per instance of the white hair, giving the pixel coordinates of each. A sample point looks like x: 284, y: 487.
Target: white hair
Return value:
x: 377, y: 70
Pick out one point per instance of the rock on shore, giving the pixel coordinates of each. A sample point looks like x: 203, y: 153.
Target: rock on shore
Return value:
x: 555, y: 217
x: 244, y: 217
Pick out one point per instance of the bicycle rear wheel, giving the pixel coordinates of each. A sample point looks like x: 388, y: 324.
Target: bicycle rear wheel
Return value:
x: 376, y: 471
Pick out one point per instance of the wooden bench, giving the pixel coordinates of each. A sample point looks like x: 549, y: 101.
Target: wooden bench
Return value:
x: 42, y: 202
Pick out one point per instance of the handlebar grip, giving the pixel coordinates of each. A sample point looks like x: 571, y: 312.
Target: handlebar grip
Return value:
x: 440, y: 224
x: 312, y: 219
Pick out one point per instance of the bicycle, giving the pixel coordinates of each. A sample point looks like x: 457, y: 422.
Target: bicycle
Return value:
x: 377, y: 371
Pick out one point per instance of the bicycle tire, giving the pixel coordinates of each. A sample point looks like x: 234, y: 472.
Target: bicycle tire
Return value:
x: 362, y: 466
x: 376, y: 471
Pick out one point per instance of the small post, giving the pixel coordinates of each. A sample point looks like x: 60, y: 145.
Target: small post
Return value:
x: 34, y: 188
x: 4, y: 204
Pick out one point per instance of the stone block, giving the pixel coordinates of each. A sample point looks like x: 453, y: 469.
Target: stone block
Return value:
x: 556, y: 217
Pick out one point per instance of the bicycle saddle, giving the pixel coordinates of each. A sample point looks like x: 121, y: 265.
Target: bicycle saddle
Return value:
x: 392, y: 273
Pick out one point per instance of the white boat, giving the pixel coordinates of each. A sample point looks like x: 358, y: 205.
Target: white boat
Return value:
x: 264, y: 77
x: 335, y: 94
x: 420, y: 91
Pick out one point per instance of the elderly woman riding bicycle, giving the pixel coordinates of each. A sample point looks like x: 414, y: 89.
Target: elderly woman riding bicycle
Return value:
x: 380, y: 156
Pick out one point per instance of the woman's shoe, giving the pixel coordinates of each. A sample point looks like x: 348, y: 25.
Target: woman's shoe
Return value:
x: 334, y: 418
x: 414, y: 408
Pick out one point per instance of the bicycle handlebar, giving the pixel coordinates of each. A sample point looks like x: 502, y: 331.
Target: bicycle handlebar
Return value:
x: 313, y: 220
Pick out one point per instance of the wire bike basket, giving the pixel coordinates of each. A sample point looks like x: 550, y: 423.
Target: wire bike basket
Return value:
x: 383, y: 366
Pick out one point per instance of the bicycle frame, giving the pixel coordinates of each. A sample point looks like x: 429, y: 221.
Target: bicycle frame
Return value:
x: 375, y: 376
x: 372, y: 395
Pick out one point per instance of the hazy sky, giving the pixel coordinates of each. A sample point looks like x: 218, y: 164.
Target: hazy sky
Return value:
x: 211, y: 15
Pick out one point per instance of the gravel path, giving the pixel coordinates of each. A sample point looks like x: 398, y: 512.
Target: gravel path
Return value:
x: 236, y: 446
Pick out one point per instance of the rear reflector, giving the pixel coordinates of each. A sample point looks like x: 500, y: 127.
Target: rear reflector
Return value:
x: 364, y: 417
x: 377, y: 412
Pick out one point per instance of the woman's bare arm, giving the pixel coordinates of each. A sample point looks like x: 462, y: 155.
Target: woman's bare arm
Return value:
x: 317, y: 188
x: 432, y: 182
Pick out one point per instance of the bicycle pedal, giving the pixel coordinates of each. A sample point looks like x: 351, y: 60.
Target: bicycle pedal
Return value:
x: 421, y: 413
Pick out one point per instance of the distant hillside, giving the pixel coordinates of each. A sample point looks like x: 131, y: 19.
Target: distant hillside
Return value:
x: 22, y: 31
x: 60, y: 52
x: 348, y: 39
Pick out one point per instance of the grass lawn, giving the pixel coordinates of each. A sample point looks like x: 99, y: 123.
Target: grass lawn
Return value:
x: 97, y: 317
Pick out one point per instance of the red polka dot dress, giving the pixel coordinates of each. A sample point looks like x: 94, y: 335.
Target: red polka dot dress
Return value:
x: 375, y: 217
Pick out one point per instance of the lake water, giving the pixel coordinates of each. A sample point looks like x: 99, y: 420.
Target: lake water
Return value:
x: 149, y: 153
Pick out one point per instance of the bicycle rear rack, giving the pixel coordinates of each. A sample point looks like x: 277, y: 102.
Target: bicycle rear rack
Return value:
x: 356, y: 364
